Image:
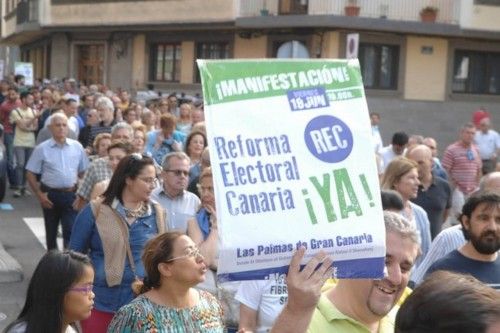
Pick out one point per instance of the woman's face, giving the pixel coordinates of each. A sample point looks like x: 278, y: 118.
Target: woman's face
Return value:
x: 102, y: 147
x: 131, y: 117
x: 115, y: 156
x: 79, y: 299
x: 206, y: 190
x: 189, y: 267
x: 143, y: 184
x: 138, y: 141
x: 407, y: 186
x: 196, y: 145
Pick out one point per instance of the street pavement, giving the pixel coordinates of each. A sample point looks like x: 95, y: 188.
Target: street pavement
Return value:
x: 21, y: 243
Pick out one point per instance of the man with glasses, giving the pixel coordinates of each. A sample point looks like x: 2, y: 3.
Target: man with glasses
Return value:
x: 462, y: 162
x: 180, y: 204
x: 437, y: 168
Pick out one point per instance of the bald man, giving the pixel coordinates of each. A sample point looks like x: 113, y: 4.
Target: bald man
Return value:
x: 434, y: 193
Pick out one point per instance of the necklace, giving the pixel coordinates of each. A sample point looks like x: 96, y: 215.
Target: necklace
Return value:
x: 135, y: 213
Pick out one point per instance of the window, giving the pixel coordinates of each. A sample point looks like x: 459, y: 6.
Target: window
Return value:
x: 165, y: 62
x: 476, y: 72
x: 379, y: 65
x: 214, y: 50
x: 487, y: 2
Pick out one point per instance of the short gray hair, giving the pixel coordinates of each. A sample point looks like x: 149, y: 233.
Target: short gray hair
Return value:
x: 57, y: 115
x: 397, y: 224
x: 177, y: 154
x: 121, y: 125
x: 104, y: 102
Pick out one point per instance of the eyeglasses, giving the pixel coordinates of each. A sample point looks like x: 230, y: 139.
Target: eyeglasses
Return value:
x: 470, y: 155
x: 203, y: 189
x: 192, y: 253
x: 87, y: 289
x: 179, y: 172
x: 148, y: 180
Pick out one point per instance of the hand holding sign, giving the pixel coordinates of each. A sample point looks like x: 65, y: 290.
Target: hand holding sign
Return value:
x: 304, y: 291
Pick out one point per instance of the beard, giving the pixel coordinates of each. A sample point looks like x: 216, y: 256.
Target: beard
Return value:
x: 487, y: 242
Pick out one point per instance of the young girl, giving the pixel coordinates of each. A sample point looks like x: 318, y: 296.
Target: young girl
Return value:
x: 59, y: 294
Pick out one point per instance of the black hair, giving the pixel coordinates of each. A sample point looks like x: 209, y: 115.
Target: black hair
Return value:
x: 400, y: 138
x: 25, y: 94
x: 391, y: 200
x: 70, y: 100
x: 53, y: 277
x: 129, y: 167
x: 18, y: 78
x: 476, y: 199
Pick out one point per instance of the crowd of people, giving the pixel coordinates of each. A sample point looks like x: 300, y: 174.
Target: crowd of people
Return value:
x: 131, y: 185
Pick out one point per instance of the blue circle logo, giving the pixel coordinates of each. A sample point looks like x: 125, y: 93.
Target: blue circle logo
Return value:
x: 328, y: 138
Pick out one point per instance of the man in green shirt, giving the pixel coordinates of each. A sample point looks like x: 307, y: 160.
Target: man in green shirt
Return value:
x: 352, y: 306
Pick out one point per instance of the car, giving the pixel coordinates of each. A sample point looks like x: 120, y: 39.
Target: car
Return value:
x: 3, y: 166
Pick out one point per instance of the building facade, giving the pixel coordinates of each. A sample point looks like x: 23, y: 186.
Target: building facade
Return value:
x: 413, y: 68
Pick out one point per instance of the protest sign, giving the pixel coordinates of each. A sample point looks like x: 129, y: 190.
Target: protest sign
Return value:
x: 26, y: 69
x: 293, y: 164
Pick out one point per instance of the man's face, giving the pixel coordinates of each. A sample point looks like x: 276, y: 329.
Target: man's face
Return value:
x: 28, y: 100
x: 105, y: 114
x: 122, y: 134
x: 124, y: 96
x: 378, y: 297
x: 432, y: 144
x: 485, y: 125
x: 89, y: 101
x: 484, y: 228
x: 398, y: 149
x: 175, y: 179
x: 424, y: 161
x: 12, y: 95
x: 467, y: 135
x: 374, y: 119
x: 59, y: 128
x: 71, y: 109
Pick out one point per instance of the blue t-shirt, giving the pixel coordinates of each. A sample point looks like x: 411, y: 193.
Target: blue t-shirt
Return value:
x: 487, y: 272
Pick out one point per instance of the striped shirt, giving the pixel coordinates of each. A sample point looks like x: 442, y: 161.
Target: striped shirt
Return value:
x: 100, y: 128
x: 463, y: 165
x: 446, y: 241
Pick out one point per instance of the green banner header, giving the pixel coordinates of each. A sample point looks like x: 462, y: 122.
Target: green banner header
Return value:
x: 234, y: 80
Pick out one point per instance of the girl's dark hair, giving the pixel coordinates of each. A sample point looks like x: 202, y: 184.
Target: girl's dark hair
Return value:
x: 157, y: 250
x: 53, y: 277
x: 191, y: 136
x: 129, y: 167
x: 391, y: 200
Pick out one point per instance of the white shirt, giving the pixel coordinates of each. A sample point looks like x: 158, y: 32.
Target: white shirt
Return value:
x: 376, y: 139
x: 487, y: 143
x: 267, y: 297
x: 387, y: 154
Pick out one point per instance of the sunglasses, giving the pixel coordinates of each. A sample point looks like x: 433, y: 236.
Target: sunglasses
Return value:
x: 178, y: 173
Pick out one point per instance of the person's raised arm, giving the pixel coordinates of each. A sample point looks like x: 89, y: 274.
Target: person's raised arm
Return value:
x: 304, y: 291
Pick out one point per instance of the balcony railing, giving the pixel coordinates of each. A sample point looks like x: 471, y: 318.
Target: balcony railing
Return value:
x: 402, y: 10
x: 27, y: 11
